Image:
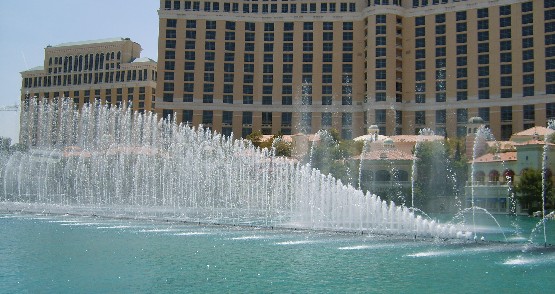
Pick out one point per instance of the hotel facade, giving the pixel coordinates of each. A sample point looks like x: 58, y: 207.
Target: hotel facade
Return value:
x: 301, y: 66
x: 108, y: 70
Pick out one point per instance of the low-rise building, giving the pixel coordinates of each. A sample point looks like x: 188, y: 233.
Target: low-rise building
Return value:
x: 492, y: 176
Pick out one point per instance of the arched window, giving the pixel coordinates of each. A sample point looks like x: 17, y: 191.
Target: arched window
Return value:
x: 50, y: 61
x: 493, y: 176
x: 367, y: 175
x: 509, y: 175
x: 401, y: 175
x: 383, y: 176
x: 479, y: 176
x: 119, y: 55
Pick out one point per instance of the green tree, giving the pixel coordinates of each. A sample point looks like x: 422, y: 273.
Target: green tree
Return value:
x: 529, y: 190
x: 255, y: 137
x: 440, y: 170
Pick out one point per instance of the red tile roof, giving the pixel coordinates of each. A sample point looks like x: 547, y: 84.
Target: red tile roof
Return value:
x: 498, y: 157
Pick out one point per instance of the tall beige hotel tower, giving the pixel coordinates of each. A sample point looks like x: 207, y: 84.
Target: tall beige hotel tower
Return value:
x: 300, y: 65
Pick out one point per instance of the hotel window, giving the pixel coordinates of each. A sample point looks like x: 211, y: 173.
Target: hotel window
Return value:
x: 187, y: 116
x: 483, y: 13
x: 505, y: 22
x: 247, y: 99
x: 462, y: 116
x: 506, y: 69
x: 207, y: 116
x: 528, y: 54
x: 506, y: 113
x: 550, y: 111
x: 190, y: 34
x: 171, y: 23
x: 506, y: 81
x: 483, y: 36
x: 286, y: 118
x: 207, y: 98
x: 170, y: 34
x: 440, y: 29
x: 483, y: 94
x: 419, y: 64
x: 420, y: 117
x: 347, y: 119
x: 441, y: 116
x: 483, y: 24
x: 326, y: 119
x: 286, y: 100
x: 505, y: 34
x: 420, y: 21
x: 420, y: 32
x: 528, y: 112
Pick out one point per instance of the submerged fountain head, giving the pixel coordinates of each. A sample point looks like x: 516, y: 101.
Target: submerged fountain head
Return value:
x: 111, y: 161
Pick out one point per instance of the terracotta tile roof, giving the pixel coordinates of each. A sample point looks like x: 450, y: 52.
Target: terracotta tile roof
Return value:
x: 416, y: 138
x: 534, y: 142
x: 503, y: 145
x: 385, y: 154
x: 499, y: 157
x: 535, y: 130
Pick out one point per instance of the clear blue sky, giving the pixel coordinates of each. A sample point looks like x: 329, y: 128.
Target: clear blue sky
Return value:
x: 27, y: 27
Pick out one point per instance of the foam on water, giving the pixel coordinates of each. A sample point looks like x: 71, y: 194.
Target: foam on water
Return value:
x: 115, y: 227
x: 298, y: 242
x: 248, y: 238
x: 527, y: 260
x: 191, y: 234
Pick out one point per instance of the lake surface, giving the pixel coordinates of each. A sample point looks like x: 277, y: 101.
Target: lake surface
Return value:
x: 71, y: 254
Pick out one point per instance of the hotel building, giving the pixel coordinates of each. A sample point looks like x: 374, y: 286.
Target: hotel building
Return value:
x: 299, y: 66
x: 109, y: 70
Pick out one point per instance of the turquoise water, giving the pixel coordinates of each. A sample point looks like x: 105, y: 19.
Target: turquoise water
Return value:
x: 67, y: 254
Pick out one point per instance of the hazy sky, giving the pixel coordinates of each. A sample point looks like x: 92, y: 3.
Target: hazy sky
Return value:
x: 27, y: 27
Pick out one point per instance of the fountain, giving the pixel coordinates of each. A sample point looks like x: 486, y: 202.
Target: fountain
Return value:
x: 114, y: 162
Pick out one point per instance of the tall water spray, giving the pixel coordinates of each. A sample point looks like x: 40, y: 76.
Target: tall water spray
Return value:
x: 548, y: 137
x: 116, y: 162
x: 481, y: 136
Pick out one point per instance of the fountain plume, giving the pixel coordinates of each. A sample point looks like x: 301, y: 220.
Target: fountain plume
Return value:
x: 112, y: 161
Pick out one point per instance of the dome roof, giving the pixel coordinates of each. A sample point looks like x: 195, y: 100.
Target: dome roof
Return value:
x: 475, y: 120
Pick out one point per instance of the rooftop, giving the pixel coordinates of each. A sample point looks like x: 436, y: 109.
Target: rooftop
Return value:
x: 498, y: 157
x: 142, y: 59
x: 89, y: 42
x: 385, y: 154
x: 36, y: 68
x: 541, y: 131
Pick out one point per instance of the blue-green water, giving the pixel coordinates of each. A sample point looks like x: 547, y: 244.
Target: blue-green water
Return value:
x: 65, y: 254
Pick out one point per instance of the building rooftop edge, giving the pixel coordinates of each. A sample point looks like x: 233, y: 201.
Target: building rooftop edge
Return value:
x: 88, y: 42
